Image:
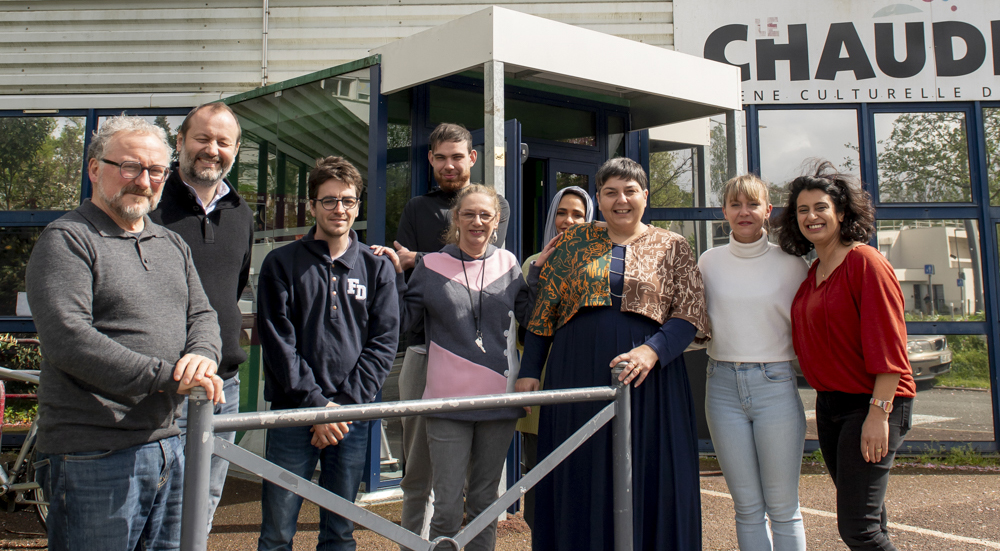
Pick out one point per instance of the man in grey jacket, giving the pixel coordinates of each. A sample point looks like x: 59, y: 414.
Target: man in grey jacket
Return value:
x: 125, y: 329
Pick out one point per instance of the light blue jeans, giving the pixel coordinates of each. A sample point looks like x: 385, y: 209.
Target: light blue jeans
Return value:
x: 758, y: 428
x: 124, y: 499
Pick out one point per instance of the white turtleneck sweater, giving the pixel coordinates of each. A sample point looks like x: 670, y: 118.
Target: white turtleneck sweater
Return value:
x: 749, y: 288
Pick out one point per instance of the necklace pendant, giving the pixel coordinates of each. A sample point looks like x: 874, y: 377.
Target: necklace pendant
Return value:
x: 479, y: 343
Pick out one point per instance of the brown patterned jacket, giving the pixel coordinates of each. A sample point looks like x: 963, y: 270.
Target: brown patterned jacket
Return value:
x: 662, y: 280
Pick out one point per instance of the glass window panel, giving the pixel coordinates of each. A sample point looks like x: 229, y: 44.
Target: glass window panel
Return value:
x: 616, y: 136
x: 951, y: 371
x: 949, y: 249
x: 718, y: 160
x: 566, y: 179
x: 398, y: 167
x: 300, y: 125
x: 538, y: 120
x: 702, y: 235
x: 169, y: 123
x: 41, y: 162
x: 922, y: 157
x: 15, y: 248
x: 790, y: 139
x: 991, y: 128
x: 671, y: 178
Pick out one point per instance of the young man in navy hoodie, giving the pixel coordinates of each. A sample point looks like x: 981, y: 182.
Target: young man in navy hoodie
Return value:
x: 329, y: 322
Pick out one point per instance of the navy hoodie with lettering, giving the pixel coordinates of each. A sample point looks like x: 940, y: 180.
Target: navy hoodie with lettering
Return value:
x: 328, y: 327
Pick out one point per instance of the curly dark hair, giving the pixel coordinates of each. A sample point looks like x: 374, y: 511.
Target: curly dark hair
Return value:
x: 849, y: 199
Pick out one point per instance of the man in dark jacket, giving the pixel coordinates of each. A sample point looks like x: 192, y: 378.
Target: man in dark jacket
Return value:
x: 200, y: 205
x: 329, y: 324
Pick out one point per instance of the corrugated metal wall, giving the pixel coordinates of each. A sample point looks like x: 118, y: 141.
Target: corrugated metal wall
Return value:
x: 111, y: 47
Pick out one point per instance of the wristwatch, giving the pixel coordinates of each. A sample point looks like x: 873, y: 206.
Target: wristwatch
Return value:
x: 884, y: 405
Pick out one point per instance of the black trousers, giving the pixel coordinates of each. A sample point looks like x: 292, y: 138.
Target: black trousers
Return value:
x: 861, y: 486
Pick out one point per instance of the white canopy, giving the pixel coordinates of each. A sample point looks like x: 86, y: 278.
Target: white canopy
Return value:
x: 662, y: 86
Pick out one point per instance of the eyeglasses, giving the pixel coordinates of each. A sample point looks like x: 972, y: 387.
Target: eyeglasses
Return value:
x: 330, y: 203
x: 469, y: 216
x: 131, y: 170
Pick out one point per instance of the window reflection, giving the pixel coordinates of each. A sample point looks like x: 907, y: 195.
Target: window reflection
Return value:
x: 951, y: 372
x: 718, y: 159
x: 566, y: 179
x: 922, y: 157
x: 538, y: 120
x: 284, y: 134
x: 41, y: 160
x: 790, y: 139
x: 672, y: 176
x: 15, y: 248
x: 991, y: 129
x: 938, y: 265
x: 399, y: 142
x: 701, y: 235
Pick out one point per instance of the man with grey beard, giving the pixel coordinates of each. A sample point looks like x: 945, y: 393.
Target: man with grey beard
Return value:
x: 200, y: 205
x: 125, y: 328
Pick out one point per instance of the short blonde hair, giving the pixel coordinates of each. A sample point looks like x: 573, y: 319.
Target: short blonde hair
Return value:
x: 749, y: 185
x: 451, y: 234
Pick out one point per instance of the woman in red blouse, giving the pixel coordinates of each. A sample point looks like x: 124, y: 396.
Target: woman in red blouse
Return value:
x: 850, y: 338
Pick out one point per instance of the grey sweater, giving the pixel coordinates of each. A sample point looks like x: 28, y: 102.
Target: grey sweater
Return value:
x: 114, y: 313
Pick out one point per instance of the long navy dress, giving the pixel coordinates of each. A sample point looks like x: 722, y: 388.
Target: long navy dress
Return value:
x: 573, y: 510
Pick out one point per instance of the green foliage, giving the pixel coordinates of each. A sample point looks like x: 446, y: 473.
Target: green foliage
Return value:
x: 719, y: 166
x: 18, y: 356
x: 991, y: 127
x: 15, y: 248
x: 815, y: 458
x: 925, y: 159
x: 40, y: 162
x: 958, y: 456
x: 970, y: 366
x: 666, y: 172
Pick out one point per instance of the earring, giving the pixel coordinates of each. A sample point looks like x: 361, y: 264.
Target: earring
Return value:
x: 493, y: 237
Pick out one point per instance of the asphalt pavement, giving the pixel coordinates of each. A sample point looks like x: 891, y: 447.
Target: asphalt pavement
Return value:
x: 929, y: 510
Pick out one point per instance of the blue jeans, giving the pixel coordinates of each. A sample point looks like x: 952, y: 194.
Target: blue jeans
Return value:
x: 124, y: 499
x: 220, y: 467
x: 341, y: 469
x: 758, y: 428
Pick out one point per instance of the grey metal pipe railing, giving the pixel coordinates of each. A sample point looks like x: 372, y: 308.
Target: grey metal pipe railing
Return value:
x: 201, y: 444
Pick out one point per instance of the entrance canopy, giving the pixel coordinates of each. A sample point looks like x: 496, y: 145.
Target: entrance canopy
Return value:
x: 661, y: 86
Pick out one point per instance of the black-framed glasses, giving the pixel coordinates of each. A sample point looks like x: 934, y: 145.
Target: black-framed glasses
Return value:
x: 330, y: 203
x: 131, y: 170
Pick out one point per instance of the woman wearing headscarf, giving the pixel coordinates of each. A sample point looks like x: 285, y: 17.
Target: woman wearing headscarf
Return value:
x: 570, y: 206
x: 618, y: 291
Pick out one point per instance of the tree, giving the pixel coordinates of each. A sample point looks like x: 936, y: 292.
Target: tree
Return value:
x: 21, y: 139
x: 163, y: 123
x: 667, y: 170
x: 925, y: 159
x: 718, y: 166
x: 991, y: 127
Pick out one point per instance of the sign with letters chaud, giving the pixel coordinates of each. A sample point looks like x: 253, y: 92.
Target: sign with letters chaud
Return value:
x: 837, y: 51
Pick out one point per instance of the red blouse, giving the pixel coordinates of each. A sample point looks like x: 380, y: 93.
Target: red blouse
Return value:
x: 851, y: 327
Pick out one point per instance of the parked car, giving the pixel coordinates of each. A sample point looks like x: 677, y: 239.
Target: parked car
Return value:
x: 929, y: 356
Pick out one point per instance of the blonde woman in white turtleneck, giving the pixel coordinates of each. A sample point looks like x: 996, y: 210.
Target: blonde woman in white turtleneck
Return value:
x: 752, y: 402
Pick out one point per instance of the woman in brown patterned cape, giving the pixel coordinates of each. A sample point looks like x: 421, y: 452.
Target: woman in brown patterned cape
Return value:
x: 610, y: 292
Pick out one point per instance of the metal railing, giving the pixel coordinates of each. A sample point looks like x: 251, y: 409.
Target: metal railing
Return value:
x: 201, y: 445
